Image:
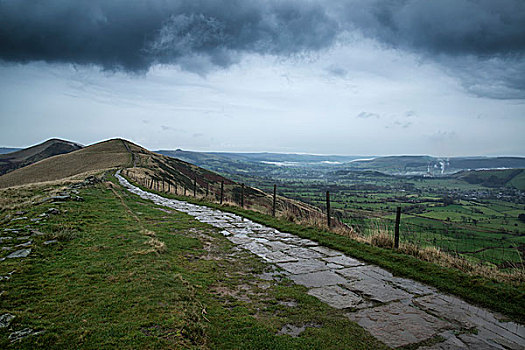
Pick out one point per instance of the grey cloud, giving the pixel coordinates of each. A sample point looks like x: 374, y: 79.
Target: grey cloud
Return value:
x: 135, y: 35
x: 368, y: 115
x: 482, y: 42
x: 398, y: 124
x: 410, y: 114
x: 337, y: 71
x: 170, y: 128
x: 453, y: 27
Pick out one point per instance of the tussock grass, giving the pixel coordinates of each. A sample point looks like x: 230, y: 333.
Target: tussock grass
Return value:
x: 156, y: 246
x: 62, y: 234
x: 382, y: 240
x: 148, y: 232
x: 22, y: 196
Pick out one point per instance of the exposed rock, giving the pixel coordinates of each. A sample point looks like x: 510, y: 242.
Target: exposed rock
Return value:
x: 88, y: 181
x: 295, y: 331
x: 36, y: 233
x: 26, y: 244
x: 53, y: 211
x: 22, y: 253
x: 6, y: 277
x: 21, y: 334
x: 60, y: 198
x: 290, y: 303
x: 5, y: 320
x: 51, y: 241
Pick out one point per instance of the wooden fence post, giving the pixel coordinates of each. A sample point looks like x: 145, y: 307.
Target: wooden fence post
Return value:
x: 207, y: 189
x: 396, y: 229
x: 195, y: 186
x: 274, y: 199
x: 328, y: 209
x: 242, y: 195
x: 222, y: 190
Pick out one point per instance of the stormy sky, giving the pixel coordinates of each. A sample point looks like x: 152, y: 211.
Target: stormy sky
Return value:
x: 356, y: 77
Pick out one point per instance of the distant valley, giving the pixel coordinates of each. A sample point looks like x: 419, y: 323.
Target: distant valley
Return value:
x: 333, y: 166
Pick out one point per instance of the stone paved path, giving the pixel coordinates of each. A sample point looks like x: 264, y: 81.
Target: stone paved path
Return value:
x: 395, y: 310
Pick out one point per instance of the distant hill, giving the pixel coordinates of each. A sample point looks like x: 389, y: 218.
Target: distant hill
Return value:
x: 23, y: 157
x: 263, y: 157
x: 4, y: 150
x: 495, y: 178
x: 423, y: 165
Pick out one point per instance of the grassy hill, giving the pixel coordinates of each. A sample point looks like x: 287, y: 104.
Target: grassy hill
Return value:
x: 20, y: 158
x: 423, y: 164
x: 495, y: 178
x: 153, y: 170
x: 297, y: 159
x: 104, y: 155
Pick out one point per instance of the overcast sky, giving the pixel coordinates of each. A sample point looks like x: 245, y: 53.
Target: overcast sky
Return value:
x: 355, y: 77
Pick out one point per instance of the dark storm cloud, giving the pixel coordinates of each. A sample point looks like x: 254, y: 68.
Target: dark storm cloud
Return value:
x: 480, y: 41
x: 452, y: 27
x: 133, y: 35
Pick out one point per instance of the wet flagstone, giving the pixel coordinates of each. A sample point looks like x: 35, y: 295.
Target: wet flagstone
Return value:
x: 397, y: 311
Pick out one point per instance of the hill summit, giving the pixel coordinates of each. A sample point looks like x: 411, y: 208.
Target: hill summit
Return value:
x: 21, y: 158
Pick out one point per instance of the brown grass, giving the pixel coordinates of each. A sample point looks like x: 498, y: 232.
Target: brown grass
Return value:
x: 383, y: 238
x: 101, y: 156
x: 156, y: 246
